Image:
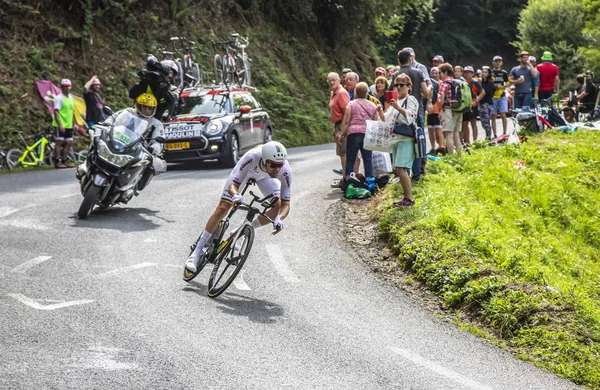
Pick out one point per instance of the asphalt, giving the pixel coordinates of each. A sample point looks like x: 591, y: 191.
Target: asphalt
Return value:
x: 101, y: 304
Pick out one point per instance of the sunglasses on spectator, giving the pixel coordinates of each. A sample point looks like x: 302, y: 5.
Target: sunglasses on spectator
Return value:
x: 400, y: 85
x: 274, y: 165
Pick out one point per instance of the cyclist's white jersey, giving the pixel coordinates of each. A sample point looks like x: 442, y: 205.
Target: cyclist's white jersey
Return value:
x: 250, y: 167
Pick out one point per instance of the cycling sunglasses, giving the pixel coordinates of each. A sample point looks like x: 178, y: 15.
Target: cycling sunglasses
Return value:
x: 273, y: 164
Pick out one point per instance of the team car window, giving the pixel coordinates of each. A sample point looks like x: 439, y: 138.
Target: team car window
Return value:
x: 205, y: 104
x: 243, y: 99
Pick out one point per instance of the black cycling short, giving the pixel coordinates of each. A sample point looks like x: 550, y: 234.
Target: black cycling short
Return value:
x: 469, y: 116
x: 66, y: 135
x: 433, y: 120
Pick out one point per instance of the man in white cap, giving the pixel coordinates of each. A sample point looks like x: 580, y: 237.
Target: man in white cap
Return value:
x: 62, y: 121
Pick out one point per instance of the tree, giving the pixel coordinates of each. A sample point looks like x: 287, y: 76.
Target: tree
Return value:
x: 555, y: 26
x: 592, y: 32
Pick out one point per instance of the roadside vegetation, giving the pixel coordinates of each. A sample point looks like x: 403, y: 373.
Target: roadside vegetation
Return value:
x: 509, y: 239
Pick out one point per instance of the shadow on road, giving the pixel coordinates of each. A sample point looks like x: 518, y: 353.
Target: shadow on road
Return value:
x: 124, y: 219
x: 257, y: 310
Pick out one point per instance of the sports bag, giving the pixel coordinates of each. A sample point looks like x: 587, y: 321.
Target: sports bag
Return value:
x: 460, y: 96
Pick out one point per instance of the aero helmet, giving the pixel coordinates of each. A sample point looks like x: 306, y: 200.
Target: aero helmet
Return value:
x: 274, y: 151
x: 145, y: 104
x: 171, y: 65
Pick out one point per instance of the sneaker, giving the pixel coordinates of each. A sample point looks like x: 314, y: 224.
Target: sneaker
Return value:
x: 61, y: 166
x: 69, y: 165
x: 192, y: 263
x: 405, y: 203
x: 338, y: 171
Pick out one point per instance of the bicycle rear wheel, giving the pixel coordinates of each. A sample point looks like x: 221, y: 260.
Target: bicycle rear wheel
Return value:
x: 230, y: 261
x: 207, y: 257
x: 218, y: 69
x: 197, y: 75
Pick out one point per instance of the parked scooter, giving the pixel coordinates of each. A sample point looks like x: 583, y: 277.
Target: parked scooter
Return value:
x: 119, y: 162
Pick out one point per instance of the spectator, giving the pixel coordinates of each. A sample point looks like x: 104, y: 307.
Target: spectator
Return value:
x: 520, y: 76
x: 405, y: 110
x: 345, y: 72
x: 62, y: 121
x: 477, y: 94
x: 434, y: 126
x: 338, y: 102
x: 549, y: 77
x: 354, y: 126
x: 381, y: 85
x: 419, y: 90
x: 586, y: 95
x: 451, y: 121
x: 418, y: 65
x: 500, y: 79
x: 437, y: 61
x: 389, y: 71
x: 93, y: 102
x: 379, y: 72
x: 486, y: 104
x: 535, y: 82
x: 351, y: 80
x: 458, y: 73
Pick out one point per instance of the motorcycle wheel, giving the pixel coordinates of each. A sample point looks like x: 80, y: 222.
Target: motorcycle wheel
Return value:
x: 89, y: 200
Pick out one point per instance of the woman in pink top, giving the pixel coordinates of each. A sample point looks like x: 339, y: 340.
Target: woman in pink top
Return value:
x: 354, y: 125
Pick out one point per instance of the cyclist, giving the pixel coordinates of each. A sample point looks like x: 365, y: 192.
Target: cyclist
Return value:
x: 62, y: 121
x: 268, y: 166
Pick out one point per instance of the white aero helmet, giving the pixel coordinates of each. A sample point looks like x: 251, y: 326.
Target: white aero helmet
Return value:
x: 274, y: 151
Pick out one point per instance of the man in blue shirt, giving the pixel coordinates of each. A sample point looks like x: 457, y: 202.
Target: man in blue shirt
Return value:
x: 521, y: 76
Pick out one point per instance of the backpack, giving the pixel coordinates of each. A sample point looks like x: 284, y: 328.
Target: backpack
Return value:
x: 461, y: 96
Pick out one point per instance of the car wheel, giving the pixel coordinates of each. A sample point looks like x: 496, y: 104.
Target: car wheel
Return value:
x: 233, y: 152
x: 268, y: 135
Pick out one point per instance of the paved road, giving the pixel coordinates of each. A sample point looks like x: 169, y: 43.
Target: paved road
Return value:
x: 100, y: 303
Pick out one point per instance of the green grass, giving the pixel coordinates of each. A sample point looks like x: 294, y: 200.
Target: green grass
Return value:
x: 515, y: 250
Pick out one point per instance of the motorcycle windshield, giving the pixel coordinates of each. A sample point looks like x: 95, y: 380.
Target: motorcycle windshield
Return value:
x: 127, y: 129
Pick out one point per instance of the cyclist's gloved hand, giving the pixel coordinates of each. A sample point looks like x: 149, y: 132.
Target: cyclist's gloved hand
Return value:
x: 278, y: 223
x: 237, y: 199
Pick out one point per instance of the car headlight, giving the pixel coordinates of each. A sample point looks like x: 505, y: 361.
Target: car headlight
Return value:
x: 107, y: 155
x: 214, y: 127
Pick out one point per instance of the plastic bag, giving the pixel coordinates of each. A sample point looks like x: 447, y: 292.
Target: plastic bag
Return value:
x: 381, y: 162
x: 379, y: 136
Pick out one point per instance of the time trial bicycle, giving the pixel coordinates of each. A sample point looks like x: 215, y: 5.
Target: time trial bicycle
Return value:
x: 230, y: 253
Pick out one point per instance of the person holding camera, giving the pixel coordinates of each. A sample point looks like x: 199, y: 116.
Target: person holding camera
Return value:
x: 586, y: 94
x: 157, y: 76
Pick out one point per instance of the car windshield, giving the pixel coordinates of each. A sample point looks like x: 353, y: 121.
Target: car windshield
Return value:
x: 204, y: 104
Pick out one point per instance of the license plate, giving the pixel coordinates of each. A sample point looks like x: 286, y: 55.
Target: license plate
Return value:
x: 177, y: 145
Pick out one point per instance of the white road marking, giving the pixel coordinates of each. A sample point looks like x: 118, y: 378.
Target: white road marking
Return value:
x: 125, y: 269
x: 456, y: 377
x: 240, y: 283
x: 5, y: 211
x: 69, y: 195
x: 21, y: 269
x: 30, y: 224
x: 280, y: 264
x: 36, y: 305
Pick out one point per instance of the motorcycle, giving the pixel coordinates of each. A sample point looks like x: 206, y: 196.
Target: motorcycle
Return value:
x: 117, y: 165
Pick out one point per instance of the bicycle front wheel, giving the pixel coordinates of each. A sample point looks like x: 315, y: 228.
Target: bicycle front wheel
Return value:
x: 230, y: 261
x: 12, y: 157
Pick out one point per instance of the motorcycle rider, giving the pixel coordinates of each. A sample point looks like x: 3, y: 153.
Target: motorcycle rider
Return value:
x: 145, y: 107
x: 267, y: 165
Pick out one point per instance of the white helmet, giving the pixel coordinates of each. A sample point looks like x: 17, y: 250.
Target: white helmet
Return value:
x: 171, y: 65
x: 274, y: 151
